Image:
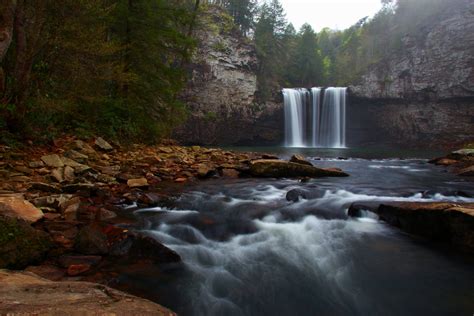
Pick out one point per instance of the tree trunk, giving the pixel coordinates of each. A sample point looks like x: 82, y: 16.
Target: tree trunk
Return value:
x: 7, y: 16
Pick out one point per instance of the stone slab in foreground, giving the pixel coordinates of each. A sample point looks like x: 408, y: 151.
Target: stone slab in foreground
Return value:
x: 24, y: 293
x: 439, y: 221
x: 270, y: 168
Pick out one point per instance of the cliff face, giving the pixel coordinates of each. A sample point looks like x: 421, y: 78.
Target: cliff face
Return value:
x: 437, y: 64
x: 220, y: 95
x: 425, y: 93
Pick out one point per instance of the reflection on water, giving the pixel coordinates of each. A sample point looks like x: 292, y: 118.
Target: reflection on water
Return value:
x: 248, y: 251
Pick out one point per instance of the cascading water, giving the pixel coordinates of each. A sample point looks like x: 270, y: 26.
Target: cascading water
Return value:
x: 295, y: 104
x: 332, y: 131
x: 326, y: 125
x: 316, y: 114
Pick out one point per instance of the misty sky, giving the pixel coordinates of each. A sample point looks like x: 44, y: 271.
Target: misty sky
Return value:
x: 336, y: 14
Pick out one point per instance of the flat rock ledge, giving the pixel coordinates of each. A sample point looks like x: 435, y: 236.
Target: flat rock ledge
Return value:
x: 438, y: 221
x: 25, y: 293
x: 270, y: 168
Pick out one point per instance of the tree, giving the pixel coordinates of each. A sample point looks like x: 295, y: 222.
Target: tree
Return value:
x: 308, y: 67
x: 269, y: 41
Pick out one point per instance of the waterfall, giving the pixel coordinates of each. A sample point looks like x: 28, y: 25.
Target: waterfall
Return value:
x: 295, y: 110
x: 316, y: 115
x: 332, y: 131
x: 310, y: 122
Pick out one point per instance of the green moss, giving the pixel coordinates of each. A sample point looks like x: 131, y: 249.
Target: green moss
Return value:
x: 21, y: 244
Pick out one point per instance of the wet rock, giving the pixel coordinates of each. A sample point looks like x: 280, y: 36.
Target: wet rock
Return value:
x: 438, y: 221
x: 85, y: 189
x: 68, y: 260
x: 49, y: 272
x: 77, y: 269
x: 102, y: 144
x: 21, y: 244
x: 445, y: 162
x: 300, y: 159
x: 230, y: 173
x: 285, y: 169
x: 17, y: 207
x: 91, y: 240
x: 269, y: 156
x: 464, y: 152
x: 466, y: 172
x: 137, y: 183
x: 295, y: 195
x: 205, y: 172
x: 25, y: 293
x: 53, y: 161
x: 105, y: 214
x: 45, y: 187
x: 180, y: 180
x: 139, y: 246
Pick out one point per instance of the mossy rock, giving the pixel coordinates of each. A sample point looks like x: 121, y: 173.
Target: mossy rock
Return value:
x: 21, y: 244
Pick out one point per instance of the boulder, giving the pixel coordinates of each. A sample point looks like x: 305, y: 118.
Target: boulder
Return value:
x: 284, y: 169
x: 91, y: 240
x: 53, y: 161
x: 138, y: 246
x: 21, y: 244
x: 300, y: 159
x: 439, y: 221
x: 24, y: 293
x: 295, y: 195
x: 17, y: 207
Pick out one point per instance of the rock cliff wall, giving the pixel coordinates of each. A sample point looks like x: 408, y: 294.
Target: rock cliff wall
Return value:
x: 220, y: 95
x: 425, y: 92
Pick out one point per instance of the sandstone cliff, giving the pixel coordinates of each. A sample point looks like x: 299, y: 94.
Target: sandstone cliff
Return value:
x: 220, y: 95
x: 425, y: 91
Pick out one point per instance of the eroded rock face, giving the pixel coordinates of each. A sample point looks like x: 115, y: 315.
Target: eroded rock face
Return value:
x: 220, y: 96
x: 437, y: 65
x: 25, y: 293
x: 423, y: 93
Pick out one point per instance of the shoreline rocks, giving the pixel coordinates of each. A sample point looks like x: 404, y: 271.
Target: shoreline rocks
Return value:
x: 438, y: 221
x: 460, y: 162
x: 25, y: 293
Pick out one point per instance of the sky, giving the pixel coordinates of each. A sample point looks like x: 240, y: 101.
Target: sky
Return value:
x: 335, y: 14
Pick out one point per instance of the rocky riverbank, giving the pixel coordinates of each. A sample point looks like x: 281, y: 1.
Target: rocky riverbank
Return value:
x: 66, y: 211
x: 460, y: 162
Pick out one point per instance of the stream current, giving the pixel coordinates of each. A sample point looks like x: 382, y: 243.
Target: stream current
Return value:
x: 246, y: 250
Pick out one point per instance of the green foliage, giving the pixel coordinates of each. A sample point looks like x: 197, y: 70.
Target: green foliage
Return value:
x: 112, y: 67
